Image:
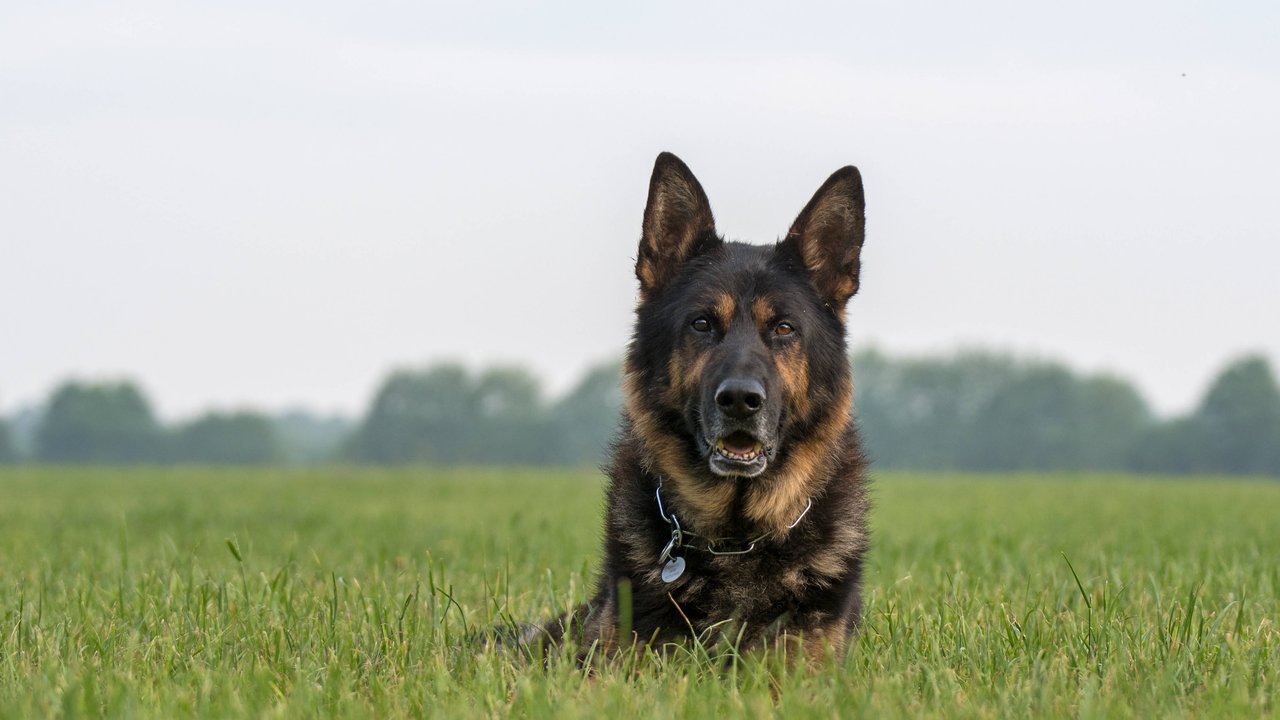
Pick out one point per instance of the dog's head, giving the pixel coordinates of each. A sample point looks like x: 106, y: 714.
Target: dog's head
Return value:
x: 738, y: 362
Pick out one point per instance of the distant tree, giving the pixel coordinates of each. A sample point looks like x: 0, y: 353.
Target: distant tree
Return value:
x: 1238, y: 421
x: 8, y: 453
x: 445, y: 415
x: 307, y: 439
x: 23, y: 425
x: 242, y: 438
x: 1111, y: 416
x: 981, y: 411
x: 507, y: 393
x: 921, y: 413
x: 99, y: 423
x: 1045, y: 417
x: 511, y: 419
x: 584, y: 421
x: 418, y: 416
x: 1174, y: 446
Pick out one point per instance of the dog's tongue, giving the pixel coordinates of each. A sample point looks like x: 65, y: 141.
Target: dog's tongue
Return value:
x: 739, y: 443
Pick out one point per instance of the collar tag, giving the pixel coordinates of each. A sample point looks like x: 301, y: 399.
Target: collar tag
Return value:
x: 673, y: 570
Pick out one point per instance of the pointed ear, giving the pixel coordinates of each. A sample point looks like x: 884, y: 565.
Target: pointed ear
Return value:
x: 677, y: 223
x: 828, y: 236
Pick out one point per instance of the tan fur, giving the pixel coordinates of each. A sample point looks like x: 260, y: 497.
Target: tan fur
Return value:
x: 685, y: 373
x: 725, y: 308
x: 645, y: 272
x: 606, y: 619
x: 793, y: 367
x: 795, y: 579
x: 708, y: 508
x: 776, y: 504
x: 819, y: 643
x: 762, y: 312
x: 832, y: 560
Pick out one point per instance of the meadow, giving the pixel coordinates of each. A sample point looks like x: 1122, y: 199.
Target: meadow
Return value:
x: 355, y: 593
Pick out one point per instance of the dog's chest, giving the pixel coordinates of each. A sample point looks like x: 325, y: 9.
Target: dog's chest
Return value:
x: 743, y: 586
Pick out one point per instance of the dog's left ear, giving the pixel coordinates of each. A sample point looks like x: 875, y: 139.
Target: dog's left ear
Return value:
x: 828, y: 236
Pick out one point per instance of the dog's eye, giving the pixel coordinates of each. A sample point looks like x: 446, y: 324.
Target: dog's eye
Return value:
x: 783, y: 329
x: 701, y: 325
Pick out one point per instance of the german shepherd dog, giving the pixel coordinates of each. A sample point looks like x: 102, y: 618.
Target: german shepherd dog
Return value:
x: 737, y: 504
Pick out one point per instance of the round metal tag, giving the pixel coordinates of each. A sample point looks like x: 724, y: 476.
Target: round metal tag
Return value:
x: 673, y: 569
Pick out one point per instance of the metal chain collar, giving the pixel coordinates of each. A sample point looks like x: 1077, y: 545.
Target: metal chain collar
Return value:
x: 678, y: 534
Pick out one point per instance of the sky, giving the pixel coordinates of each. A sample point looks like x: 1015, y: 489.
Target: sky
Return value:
x: 268, y: 205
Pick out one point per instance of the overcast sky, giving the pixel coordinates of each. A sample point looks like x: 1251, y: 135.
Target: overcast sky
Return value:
x: 265, y: 204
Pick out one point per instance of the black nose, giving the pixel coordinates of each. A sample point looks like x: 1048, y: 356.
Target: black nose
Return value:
x: 740, y: 398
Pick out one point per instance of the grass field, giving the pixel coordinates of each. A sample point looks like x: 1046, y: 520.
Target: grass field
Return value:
x: 161, y: 593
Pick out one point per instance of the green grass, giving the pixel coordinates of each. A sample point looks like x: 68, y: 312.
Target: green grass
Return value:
x: 352, y: 592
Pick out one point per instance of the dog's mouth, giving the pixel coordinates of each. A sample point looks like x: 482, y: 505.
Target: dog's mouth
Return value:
x: 738, y: 454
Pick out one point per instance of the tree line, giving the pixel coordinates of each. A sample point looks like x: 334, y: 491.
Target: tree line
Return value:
x: 112, y: 423
x: 979, y: 411
x: 970, y: 411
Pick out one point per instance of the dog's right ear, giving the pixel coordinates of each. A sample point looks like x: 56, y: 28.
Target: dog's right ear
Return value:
x: 677, y: 223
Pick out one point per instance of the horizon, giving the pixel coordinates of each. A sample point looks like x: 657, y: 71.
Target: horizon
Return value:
x: 551, y: 393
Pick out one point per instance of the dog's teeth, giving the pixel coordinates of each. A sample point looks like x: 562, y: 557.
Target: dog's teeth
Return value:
x: 754, y: 453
